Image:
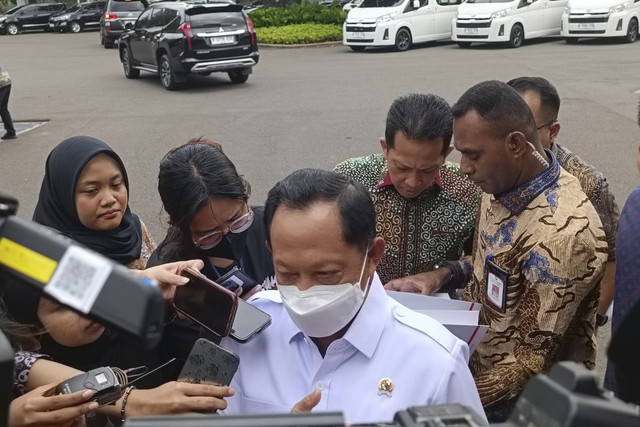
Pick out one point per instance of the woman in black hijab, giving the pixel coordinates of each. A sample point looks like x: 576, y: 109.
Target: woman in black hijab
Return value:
x: 84, y: 195
x: 128, y: 242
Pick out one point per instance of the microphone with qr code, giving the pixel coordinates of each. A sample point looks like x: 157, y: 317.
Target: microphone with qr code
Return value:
x: 85, y: 281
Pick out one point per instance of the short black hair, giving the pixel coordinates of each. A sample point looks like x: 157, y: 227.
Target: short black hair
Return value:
x: 499, y: 105
x: 304, y: 187
x: 420, y: 117
x: 549, y: 98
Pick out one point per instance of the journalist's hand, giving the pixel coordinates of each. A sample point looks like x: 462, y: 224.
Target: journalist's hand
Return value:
x: 177, y: 397
x: 35, y: 409
x: 426, y: 283
x: 308, y: 402
x: 168, y: 275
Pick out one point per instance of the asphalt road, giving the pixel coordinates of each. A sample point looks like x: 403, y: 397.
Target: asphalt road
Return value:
x: 310, y: 107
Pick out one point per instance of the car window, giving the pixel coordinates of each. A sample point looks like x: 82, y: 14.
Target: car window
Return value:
x: 41, y: 9
x: 143, y: 20
x: 73, y: 9
x: 381, y: 3
x: 170, y: 19
x: 126, y: 6
x: 156, y: 17
x: 215, y: 19
x: 27, y: 10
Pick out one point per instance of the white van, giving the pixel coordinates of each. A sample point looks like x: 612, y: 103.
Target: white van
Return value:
x: 398, y: 23
x: 510, y: 21
x: 601, y: 18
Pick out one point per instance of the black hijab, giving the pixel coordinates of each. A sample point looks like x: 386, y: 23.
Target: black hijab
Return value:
x: 56, y: 206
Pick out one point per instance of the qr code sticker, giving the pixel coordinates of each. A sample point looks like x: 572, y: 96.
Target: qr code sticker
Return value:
x: 79, y: 278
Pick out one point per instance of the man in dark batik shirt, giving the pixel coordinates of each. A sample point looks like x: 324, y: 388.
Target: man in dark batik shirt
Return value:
x: 425, y: 208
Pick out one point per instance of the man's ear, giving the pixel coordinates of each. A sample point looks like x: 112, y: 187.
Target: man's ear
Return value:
x: 554, y: 130
x: 516, y: 144
x: 376, y: 251
x: 383, y: 144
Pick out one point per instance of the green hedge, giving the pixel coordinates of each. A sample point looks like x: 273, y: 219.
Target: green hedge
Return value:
x: 300, y: 34
x: 5, y: 5
x: 303, y: 13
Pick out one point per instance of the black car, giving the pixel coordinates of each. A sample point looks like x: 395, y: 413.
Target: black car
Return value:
x: 78, y: 17
x: 181, y: 38
x: 29, y: 17
x: 116, y: 15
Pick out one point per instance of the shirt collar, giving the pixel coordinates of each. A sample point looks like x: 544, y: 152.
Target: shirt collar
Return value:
x: 366, y: 329
x: 385, y: 180
x: 519, y: 198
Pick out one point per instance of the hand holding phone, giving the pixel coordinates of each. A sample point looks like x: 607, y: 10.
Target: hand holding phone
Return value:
x: 206, y: 303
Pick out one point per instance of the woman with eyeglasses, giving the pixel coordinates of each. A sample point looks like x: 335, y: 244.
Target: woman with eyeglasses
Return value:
x: 210, y: 219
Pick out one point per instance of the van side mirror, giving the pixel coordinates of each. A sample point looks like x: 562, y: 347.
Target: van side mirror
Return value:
x: 128, y: 26
x: 416, y: 4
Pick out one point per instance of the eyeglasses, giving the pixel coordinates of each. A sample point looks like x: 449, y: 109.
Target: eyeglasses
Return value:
x: 239, y: 225
x: 549, y: 123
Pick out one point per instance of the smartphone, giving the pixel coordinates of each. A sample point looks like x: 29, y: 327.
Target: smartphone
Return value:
x: 209, y: 363
x: 249, y: 321
x: 206, y: 303
x: 236, y: 279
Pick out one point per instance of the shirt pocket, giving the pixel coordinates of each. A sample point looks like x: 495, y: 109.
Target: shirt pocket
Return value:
x: 254, y: 406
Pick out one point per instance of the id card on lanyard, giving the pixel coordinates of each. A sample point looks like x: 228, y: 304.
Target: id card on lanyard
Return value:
x: 497, y: 281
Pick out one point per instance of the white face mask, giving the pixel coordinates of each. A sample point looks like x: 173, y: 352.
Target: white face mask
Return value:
x: 323, y: 310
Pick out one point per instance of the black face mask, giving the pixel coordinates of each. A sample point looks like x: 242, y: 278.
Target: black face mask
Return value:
x: 230, y: 247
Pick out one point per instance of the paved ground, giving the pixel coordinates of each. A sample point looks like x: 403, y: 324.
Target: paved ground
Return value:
x: 300, y: 108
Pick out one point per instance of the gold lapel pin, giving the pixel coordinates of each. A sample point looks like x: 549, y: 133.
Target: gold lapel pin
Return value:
x: 385, y: 386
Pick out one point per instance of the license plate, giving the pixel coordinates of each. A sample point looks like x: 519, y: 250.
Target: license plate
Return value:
x: 470, y: 31
x: 223, y: 40
x: 586, y: 26
x: 358, y: 35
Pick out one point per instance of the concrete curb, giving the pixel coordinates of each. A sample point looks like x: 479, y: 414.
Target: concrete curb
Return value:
x: 298, y: 46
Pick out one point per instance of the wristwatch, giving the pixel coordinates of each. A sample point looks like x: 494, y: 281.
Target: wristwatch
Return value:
x: 601, y: 319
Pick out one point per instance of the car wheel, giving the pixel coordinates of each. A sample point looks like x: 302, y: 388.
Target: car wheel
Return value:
x: 167, y: 76
x: 403, y: 40
x: 464, y: 44
x: 237, y: 77
x: 571, y: 40
x: 12, y: 29
x: 517, y: 36
x: 75, y: 27
x: 632, y: 31
x: 127, y: 65
x: 358, y: 48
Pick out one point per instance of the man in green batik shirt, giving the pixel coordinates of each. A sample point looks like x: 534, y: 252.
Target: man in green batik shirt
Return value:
x: 425, y: 208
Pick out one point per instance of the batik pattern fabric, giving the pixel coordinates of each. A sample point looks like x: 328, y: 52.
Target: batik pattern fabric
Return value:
x: 146, y: 249
x: 23, y: 361
x: 548, y: 237
x: 423, y: 231
x: 595, y: 185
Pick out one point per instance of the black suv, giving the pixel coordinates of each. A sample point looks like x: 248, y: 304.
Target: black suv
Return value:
x: 28, y: 17
x: 78, y: 17
x: 176, y: 39
x: 116, y: 15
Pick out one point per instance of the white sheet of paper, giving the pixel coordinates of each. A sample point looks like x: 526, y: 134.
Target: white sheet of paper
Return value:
x: 423, y: 302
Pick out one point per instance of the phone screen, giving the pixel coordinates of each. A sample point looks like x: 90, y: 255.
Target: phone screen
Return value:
x: 249, y: 321
x: 209, y: 304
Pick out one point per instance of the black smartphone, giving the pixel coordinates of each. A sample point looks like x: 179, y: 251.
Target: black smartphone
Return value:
x: 249, y: 321
x: 236, y: 279
x: 207, y: 303
x: 209, y: 363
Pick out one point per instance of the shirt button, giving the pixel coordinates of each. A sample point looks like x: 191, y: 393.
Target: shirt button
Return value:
x: 319, y: 386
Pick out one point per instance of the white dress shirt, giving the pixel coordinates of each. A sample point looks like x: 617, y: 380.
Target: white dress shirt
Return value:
x: 426, y: 364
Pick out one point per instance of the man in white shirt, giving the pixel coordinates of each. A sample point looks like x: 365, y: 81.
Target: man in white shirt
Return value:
x: 336, y: 337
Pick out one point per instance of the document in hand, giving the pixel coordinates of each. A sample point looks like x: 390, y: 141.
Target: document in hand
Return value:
x: 460, y: 317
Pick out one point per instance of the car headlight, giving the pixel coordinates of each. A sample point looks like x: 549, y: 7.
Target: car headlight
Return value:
x: 500, y: 14
x: 618, y: 8
x: 64, y: 17
x: 3, y: 18
x: 385, y: 18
